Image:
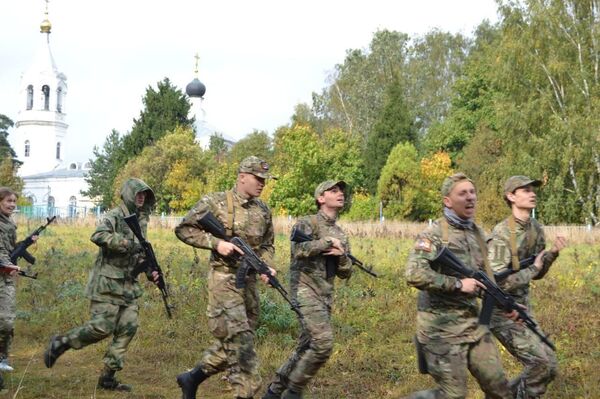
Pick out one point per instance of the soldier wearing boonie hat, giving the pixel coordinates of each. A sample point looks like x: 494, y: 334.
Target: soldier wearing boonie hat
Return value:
x: 315, y: 264
x: 516, y: 238
x: 232, y: 312
x: 449, y: 338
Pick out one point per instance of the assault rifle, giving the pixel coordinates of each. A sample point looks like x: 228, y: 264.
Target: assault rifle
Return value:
x: 150, y: 264
x: 330, y: 263
x: 523, y: 264
x: 494, y: 295
x: 20, y: 250
x: 251, y: 260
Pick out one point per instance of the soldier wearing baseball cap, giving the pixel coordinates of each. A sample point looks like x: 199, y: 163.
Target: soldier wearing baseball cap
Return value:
x: 513, y: 240
x: 233, y: 312
x: 256, y: 167
x: 315, y: 264
x: 448, y: 328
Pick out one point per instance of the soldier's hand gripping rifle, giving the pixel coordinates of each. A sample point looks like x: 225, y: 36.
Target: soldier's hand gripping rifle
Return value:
x: 330, y: 263
x: 494, y: 295
x: 150, y: 264
x: 20, y: 250
x: 251, y: 260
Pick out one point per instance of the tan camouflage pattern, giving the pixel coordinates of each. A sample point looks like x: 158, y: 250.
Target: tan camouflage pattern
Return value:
x: 447, y: 320
x: 232, y: 312
x: 8, y: 307
x: 539, y: 361
x: 313, y: 293
x: 111, y: 288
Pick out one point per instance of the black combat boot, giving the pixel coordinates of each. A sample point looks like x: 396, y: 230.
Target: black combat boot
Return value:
x: 108, y: 381
x: 189, y: 381
x: 271, y: 395
x: 56, y: 348
x: 289, y: 394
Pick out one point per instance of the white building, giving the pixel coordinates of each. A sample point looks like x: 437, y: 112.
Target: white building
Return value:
x: 53, y: 182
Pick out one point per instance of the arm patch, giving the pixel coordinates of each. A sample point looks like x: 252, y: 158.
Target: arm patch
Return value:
x: 423, y: 244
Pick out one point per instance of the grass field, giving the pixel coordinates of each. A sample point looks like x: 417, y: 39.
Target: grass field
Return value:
x: 374, y: 324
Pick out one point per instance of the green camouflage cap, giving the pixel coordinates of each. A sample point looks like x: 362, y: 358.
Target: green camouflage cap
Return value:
x: 451, y: 181
x: 515, y: 182
x: 256, y: 166
x: 328, y: 185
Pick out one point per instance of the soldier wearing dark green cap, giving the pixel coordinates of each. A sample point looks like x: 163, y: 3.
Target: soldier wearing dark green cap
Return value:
x: 312, y: 290
x: 232, y: 312
x: 519, y: 237
x: 448, y: 330
x: 111, y: 287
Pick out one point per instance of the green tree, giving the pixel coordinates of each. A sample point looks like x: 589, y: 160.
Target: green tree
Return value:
x: 8, y: 162
x: 393, y: 125
x: 257, y: 143
x: 174, y: 167
x: 164, y: 109
x: 104, y: 167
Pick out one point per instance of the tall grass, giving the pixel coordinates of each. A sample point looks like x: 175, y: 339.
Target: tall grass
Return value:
x: 374, y: 320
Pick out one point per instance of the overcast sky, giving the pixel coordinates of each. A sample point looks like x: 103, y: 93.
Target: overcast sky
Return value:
x: 258, y: 59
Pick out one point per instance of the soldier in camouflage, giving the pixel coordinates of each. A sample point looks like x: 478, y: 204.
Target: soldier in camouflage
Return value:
x: 312, y: 290
x: 232, y: 312
x: 518, y: 237
x: 447, y: 319
x: 8, y: 308
x: 112, y: 288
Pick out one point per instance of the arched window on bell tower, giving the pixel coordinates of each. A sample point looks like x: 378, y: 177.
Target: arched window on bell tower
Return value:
x: 58, y: 150
x: 27, y: 148
x: 59, y: 99
x: 29, y: 97
x: 46, y: 92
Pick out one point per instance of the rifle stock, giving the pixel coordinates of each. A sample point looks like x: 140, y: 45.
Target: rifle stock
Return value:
x: 151, y: 263
x: 20, y: 250
x: 494, y: 295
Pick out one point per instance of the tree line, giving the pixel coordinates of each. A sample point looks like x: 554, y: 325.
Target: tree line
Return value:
x: 516, y: 97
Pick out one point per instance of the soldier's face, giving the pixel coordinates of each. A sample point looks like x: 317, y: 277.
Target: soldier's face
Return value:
x: 462, y: 199
x: 332, y: 198
x: 523, y: 197
x: 250, y: 185
x: 8, y: 205
x: 140, y: 198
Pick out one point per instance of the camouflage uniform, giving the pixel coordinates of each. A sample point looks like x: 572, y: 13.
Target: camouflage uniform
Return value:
x: 312, y: 290
x: 232, y: 312
x: 539, y: 360
x: 112, y: 289
x: 8, y: 307
x: 447, y: 319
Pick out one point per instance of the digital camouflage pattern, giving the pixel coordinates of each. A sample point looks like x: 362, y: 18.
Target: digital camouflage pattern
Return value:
x: 8, y: 307
x: 313, y: 292
x: 232, y: 312
x: 111, y: 287
x: 447, y: 320
x: 540, y: 361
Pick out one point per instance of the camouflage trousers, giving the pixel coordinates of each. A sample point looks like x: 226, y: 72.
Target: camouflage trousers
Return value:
x: 120, y: 321
x: 315, y: 343
x: 8, y: 309
x: 232, y: 316
x: 448, y: 364
x: 539, y: 360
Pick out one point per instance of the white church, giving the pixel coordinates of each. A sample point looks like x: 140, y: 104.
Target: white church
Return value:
x: 53, y: 181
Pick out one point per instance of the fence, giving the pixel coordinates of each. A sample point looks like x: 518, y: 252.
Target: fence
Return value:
x: 283, y: 225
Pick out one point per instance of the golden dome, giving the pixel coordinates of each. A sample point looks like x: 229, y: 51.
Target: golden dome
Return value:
x: 45, y: 25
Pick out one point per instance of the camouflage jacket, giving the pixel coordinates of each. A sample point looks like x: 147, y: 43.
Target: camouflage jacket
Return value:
x: 8, y: 239
x: 444, y: 313
x: 111, y: 279
x: 530, y: 241
x: 252, y: 222
x: 308, y: 262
